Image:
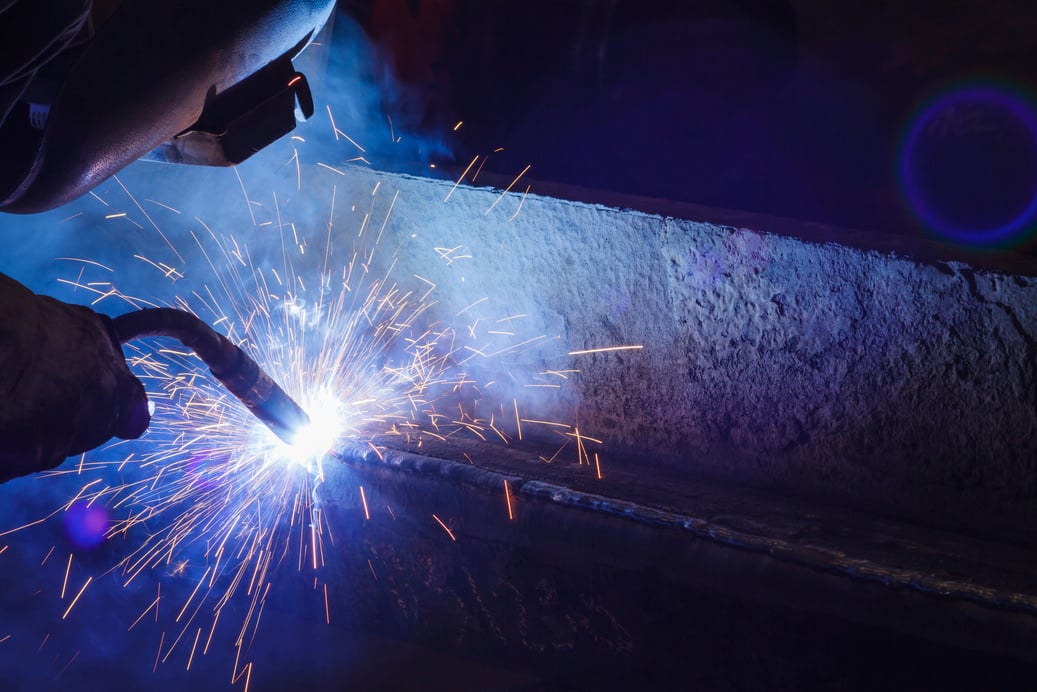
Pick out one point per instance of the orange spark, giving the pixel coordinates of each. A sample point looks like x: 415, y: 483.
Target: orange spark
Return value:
x: 448, y: 531
x: 607, y: 349
x: 521, y: 202
x: 194, y: 646
x: 507, y: 189
x: 64, y: 584
x: 161, y: 640
x: 73, y: 603
x: 363, y: 499
x: 462, y: 177
x: 330, y: 168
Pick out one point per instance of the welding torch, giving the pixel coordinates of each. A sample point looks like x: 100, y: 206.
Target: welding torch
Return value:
x: 229, y: 364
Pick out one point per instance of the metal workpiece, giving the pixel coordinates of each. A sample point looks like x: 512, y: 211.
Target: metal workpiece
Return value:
x: 561, y: 577
x: 858, y: 372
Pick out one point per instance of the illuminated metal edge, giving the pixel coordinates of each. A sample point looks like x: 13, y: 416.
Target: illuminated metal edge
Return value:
x: 805, y: 555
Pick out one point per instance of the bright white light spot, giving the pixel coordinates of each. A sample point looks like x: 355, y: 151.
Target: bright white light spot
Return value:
x: 316, y: 439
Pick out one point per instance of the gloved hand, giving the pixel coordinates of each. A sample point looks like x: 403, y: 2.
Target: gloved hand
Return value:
x: 64, y: 384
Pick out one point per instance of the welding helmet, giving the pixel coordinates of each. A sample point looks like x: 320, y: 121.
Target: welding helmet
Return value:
x: 192, y: 81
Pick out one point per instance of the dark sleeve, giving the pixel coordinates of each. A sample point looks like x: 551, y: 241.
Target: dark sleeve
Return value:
x: 65, y: 387
x: 58, y: 374
x: 20, y: 335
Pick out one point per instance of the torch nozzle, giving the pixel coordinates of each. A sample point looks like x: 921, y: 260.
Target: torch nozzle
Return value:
x: 263, y: 397
x: 229, y: 364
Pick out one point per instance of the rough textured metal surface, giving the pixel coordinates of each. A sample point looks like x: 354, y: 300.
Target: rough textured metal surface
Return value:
x: 902, y: 386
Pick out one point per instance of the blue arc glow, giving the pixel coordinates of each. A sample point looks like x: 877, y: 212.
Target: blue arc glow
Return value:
x: 314, y: 440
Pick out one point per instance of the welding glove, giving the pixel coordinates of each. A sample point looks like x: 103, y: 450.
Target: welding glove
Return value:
x: 64, y: 384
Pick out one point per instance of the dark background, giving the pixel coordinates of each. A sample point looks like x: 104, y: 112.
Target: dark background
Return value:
x: 791, y: 108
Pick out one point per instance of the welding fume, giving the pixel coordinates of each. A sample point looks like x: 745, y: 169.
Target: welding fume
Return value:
x: 87, y: 88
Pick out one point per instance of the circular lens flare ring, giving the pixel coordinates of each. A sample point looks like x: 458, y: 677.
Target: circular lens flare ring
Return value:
x: 1003, y: 99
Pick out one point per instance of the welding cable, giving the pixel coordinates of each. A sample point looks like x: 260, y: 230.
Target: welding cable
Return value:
x: 234, y: 368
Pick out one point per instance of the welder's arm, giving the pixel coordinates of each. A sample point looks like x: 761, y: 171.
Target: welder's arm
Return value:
x: 64, y: 384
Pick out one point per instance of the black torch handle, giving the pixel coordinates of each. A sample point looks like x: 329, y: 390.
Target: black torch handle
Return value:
x: 234, y: 368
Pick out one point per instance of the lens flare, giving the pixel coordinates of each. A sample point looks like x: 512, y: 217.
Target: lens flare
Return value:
x: 968, y: 165
x: 86, y: 525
